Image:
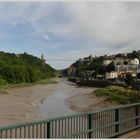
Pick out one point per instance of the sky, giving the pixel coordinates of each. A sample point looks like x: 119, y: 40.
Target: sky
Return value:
x: 69, y: 30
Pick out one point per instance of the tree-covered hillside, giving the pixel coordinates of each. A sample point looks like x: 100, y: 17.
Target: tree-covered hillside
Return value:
x: 23, y: 68
x: 96, y: 63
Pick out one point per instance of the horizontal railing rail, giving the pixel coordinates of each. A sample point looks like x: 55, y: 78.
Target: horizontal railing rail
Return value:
x: 103, y: 123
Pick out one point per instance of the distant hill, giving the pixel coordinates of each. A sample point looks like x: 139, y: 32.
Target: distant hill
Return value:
x: 18, y: 68
x: 96, y: 63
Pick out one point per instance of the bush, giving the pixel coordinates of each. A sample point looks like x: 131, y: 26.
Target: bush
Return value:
x: 2, y: 82
x: 118, y: 94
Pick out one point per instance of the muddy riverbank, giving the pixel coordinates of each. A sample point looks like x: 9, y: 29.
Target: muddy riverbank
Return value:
x: 47, y: 101
x: 85, y: 102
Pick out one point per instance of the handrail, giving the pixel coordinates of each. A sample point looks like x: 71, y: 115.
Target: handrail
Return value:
x: 69, y: 116
x: 116, y: 123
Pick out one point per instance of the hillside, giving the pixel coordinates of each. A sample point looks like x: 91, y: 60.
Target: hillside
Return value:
x: 23, y: 68
x: 96, y: 64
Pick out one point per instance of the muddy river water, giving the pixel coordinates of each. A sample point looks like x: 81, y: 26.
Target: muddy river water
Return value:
x: 38, y: 102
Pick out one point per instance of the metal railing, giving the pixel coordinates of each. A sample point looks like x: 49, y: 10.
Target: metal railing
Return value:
x: 99, y: 124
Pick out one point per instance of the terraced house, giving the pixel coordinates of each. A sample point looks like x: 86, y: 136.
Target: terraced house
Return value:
x: 122, y: 66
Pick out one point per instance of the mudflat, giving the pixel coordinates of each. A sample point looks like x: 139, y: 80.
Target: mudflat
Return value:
x: 39, y: 102
x: 20, y: 104
x: 84, y: 102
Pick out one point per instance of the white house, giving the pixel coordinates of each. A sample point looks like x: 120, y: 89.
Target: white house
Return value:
x: 71, y: 70
x: 107, y: 61
x: 111, y: 75
x: 134, y: 61
x: 138, y: 69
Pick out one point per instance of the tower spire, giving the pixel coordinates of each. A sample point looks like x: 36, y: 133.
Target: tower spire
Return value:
x: 43, y: 59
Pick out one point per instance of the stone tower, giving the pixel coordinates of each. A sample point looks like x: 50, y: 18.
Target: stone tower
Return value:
x: 42, y: 59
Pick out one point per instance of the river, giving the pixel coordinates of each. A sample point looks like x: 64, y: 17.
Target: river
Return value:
x: 38, y: 102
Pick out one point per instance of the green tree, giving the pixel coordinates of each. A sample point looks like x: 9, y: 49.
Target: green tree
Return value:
x: 125, y: 63
x: 138, y: 75
x: 129, y: 80
x: 134, y: 54
x: 110, y: 67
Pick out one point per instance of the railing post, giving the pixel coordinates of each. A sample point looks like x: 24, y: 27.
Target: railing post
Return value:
x: 137, y: 114
x: 117, y: 120
x: 89, y: 119
x: 0, y: 134
x: 48, y: 129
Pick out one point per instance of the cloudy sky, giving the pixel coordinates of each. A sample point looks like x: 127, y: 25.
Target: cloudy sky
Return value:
x: 69, y: 30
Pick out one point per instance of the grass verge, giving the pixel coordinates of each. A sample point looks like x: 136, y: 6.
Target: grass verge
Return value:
x: 44, y: 81
x: 119, y: 95
x: 47, y: 81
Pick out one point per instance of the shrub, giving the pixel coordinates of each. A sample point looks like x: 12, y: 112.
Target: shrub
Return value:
x: 2, y: 82
x: 119, y: 94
